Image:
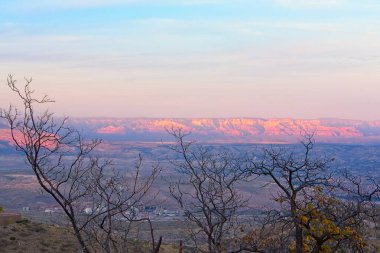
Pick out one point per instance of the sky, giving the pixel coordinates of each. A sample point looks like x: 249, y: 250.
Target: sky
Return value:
x: 196, y: 58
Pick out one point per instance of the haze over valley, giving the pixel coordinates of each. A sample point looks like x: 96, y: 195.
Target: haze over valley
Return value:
x: 353, y: 144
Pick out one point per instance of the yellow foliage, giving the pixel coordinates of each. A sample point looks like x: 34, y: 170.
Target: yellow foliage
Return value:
x: 317, y: 224
x: 292, y: 247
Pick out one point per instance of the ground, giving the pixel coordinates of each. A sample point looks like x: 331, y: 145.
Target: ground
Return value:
x: 30, y: 237
x: 33, y: 237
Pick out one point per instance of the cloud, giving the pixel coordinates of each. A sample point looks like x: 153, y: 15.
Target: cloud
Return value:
x: 310, y: 3
x: 367, y: 5
x: 62, y: 38
x: 27, y: 5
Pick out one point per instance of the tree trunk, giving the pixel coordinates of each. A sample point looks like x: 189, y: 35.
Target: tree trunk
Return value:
x: 157, y: 248
x: 81, y: 241
x: 209, y: 241
x: 299, y: 239
x: 299, y: 235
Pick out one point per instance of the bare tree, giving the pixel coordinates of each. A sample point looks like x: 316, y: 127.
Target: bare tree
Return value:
x: 115, y: 204
x: 321, y: 211
x: 65, y: 168
x: 206, y: 192
x: 294, y: 173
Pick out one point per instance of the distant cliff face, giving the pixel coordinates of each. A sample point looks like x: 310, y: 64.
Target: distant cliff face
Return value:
x: 234, y: 129
x: 240, y: 130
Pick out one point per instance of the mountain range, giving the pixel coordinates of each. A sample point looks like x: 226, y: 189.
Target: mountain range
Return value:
x: 225, y: 130
x: 230, y: 130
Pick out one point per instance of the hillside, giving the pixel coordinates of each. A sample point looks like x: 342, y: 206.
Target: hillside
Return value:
x: 32, y: 237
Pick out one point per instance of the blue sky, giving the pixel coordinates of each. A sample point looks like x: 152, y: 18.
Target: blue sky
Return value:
x: 199, y: 58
